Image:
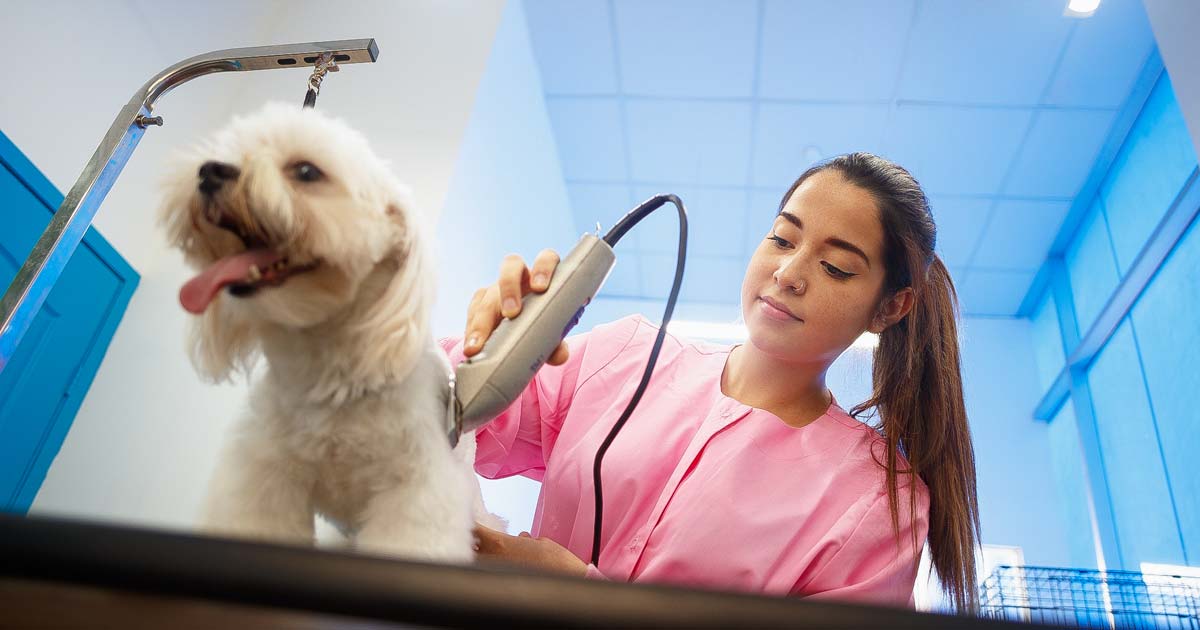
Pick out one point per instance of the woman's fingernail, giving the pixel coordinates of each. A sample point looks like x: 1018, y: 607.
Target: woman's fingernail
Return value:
x: 509, y: 305
x: 473, y: 341
x: 539, y: 281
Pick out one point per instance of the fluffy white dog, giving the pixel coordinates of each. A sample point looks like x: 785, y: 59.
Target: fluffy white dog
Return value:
x: 310, y: 254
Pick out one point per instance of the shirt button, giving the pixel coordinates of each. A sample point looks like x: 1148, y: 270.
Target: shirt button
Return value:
x: 634, y: 543
x: 725, y: 414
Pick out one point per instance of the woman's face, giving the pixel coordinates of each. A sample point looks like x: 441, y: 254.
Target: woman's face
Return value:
x: 815, y: 281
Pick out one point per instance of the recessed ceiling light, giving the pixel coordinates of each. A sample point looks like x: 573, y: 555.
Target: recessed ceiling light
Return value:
x: 1081, y: 8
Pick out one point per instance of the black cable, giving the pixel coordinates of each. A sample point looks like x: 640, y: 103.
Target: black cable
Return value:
x: 614, y: 235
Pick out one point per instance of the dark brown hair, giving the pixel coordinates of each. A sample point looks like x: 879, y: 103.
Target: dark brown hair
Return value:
x: 917, y: 383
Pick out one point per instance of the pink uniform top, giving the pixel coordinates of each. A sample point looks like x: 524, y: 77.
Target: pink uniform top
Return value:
x: 699, y: 489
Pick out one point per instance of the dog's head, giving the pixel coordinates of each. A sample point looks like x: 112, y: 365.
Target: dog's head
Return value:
x: 285, y: 214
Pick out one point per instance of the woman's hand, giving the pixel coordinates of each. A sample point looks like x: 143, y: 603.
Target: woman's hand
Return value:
x: 493, y: 303
x: 525, y: 550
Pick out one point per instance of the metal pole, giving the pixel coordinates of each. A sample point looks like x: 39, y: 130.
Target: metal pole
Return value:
x: 45, y: 263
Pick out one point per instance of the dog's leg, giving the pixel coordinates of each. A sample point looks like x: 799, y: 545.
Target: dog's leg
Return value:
x: 427, y: 515
x: 260, y: 492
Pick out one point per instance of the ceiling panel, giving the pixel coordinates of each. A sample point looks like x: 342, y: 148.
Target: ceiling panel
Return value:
x: 1019, y: 234
x: 998, y: 108
x: 573, y: 42
x: 760, y: 215
x: 790, y: 138
x: 1106, y: 53
x: 687, y: 48
x: 590, y: 137
x: 1059, y: 152
x: 603, y: 203
x: 716, y: 222
x: 960, y: 222
x: 700, y: 142
x: 625, y: 279
x: 987, y: 292
x: 823, y: 50
x: 953, y: 150
x: 981, y: 51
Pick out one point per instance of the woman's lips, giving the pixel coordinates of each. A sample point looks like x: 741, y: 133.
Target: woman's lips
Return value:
x: 775, y: 310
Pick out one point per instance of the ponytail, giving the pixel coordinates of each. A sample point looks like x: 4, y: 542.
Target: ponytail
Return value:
x: 917, y: 393
x: 919, y: 399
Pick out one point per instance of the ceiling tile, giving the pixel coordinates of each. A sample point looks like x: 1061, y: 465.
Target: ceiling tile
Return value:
x: 1059, y: 152
x: 987, y: 292
x: 1020, y: 234
x: 716, y: 221
x: 705, y: 278
x: 980, y: 51
x: 588, y: 134
x: 956, y: 150
x: 625, y: 279
x: 686, y: 48
x: 603, y: 203
x: 789, y: 138
x: 1104, y: 57
x: 689, y: 142
x: 960, y: 222
x: 865, y: 34
x: 573, y: 44
x: 764, y: 205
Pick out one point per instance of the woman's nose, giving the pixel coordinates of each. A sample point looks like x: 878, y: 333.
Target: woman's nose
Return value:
x: 789, y: 276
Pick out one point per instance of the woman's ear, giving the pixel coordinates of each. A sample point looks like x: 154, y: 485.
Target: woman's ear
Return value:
x: 893, y: 309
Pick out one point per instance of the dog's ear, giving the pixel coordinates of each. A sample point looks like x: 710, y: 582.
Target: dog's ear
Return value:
x: 222, y: 344
x: 395, y: 330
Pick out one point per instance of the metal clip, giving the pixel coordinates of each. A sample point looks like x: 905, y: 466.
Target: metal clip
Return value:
x: 453, y: 413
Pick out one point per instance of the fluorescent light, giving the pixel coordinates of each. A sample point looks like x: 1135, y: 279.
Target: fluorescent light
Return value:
x: 1081, y: 8
x: 735, y: 332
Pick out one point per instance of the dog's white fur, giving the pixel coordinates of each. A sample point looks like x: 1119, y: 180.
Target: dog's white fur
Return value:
x: 347, y: 420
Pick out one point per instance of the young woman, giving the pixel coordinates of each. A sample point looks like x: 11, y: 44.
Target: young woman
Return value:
x: 738, y: 469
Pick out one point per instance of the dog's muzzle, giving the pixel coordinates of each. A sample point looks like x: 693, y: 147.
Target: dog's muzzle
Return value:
x: 214, y: 175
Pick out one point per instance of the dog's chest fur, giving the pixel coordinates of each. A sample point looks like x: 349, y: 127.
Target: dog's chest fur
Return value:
x: 361, y: 445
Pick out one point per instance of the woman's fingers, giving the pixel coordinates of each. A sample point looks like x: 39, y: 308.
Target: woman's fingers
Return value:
x: 492, y: 304
x: 543, y: 269
x: 483, y: 315
x: 513, y: 283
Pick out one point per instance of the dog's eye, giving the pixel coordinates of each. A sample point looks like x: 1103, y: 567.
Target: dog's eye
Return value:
x: 306, y: 172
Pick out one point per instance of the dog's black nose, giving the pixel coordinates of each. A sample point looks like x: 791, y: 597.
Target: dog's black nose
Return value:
x: 213, y: 175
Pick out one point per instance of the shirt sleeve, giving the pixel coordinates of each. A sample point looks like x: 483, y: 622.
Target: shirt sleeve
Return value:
x: 520, y: 439
x: 871, y: 566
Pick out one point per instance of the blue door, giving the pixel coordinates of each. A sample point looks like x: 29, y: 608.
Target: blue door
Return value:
x: 52, y: 368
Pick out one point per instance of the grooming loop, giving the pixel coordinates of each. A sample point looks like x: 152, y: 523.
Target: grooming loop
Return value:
x: 324, y: 65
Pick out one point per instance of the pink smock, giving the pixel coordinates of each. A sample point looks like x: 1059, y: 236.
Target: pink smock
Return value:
x: 699, y: 489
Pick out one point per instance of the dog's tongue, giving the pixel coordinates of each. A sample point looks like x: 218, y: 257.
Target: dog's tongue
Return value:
x: 198, y: 293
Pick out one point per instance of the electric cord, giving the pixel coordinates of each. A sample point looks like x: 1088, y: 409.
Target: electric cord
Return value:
x: 628, y: 221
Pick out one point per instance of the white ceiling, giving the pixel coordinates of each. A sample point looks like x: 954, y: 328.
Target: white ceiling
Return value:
x: 998, y: 108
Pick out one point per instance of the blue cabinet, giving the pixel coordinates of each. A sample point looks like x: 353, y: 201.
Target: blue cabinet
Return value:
x: 45, y: 381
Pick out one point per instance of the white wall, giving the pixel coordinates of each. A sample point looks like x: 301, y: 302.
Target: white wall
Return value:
x: 507, y: 196
x: 144, y: 442
x: 1018, y: 500
x: 1175, y: 25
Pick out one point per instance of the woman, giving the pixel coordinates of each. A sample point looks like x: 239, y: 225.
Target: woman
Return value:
x: 738, y: 469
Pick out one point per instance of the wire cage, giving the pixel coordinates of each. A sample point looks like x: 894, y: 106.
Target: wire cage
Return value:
x: 1091, y: 599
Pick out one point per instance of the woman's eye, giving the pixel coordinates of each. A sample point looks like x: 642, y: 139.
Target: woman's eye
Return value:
x: 837, y: 273
x: 306, y: 172
x: 779, y: 242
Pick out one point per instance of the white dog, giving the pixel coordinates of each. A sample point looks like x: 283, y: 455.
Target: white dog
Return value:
x: 309, y: 253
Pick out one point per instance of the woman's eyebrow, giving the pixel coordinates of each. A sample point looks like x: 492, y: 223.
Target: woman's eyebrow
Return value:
x: 832, y: 241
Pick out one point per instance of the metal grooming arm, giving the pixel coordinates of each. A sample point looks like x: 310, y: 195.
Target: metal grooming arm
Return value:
x: 52, y: 251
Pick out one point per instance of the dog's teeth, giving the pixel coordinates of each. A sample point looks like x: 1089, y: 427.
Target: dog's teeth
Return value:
x: 255, y: 274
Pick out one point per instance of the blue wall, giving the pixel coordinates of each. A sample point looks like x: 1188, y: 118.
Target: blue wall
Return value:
x: 1141, y: 381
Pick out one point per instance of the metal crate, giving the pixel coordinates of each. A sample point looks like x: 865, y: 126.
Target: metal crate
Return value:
x: 1091, y: 599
